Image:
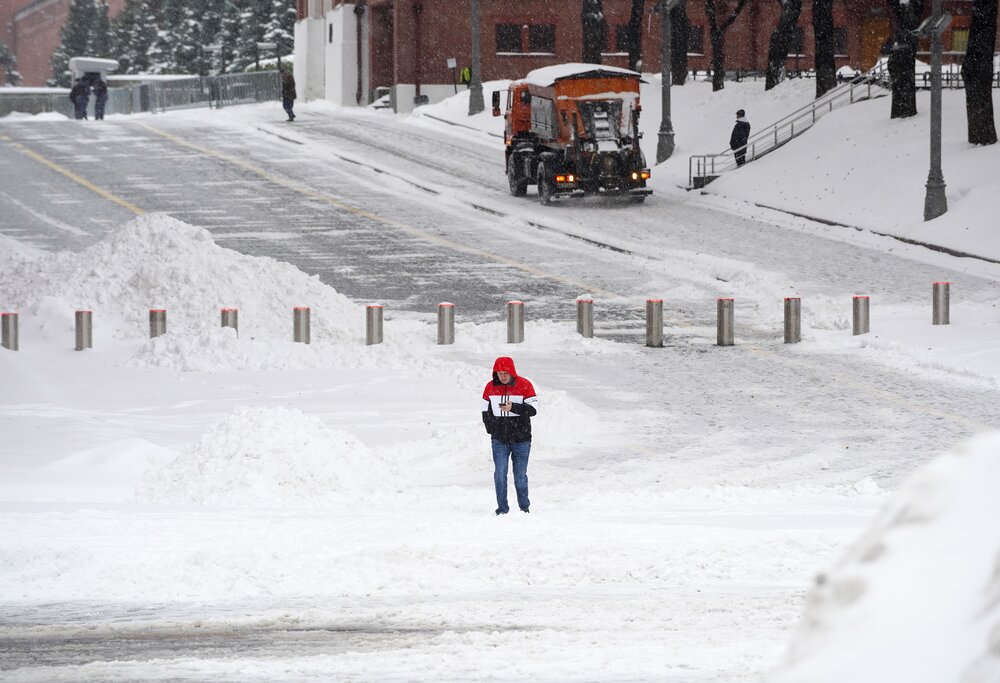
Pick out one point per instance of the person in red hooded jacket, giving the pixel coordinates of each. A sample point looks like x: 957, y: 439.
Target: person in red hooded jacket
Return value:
x: 508, y: 404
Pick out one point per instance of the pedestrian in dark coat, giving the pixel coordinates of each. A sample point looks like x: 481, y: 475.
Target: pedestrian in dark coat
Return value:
x: 288, y: 94
x: 100, y: 98
x: 738, y: 140
x: 508, y: 404
x: 80, y: 97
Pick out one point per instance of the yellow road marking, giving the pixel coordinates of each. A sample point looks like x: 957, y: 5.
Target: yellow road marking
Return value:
x: 75, y: 178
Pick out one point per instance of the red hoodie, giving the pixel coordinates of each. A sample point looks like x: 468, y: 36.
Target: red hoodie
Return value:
x: 513, y: 426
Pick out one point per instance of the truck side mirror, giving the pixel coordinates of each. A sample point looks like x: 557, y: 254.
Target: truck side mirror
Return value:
x: 496, y: 103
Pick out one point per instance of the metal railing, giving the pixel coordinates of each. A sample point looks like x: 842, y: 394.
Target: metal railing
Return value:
x: 703, y: 168
x: 156, y: 96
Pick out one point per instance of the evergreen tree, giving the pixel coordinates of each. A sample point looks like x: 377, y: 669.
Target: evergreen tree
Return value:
x: 977, y: 70
x: 826, y: 48
x: 75, y: 38
x: 595, y: 31
x: 134, y: 33
x: 777, y: 52
x: 162, y: 57
x: 229, y: 35
x: 280, y: 27
x: 208, y: 32
x: 122, y: 31
x: 100, y: 40
x: 187, y: 40
x: 8, y: 66
x: 253, y: 20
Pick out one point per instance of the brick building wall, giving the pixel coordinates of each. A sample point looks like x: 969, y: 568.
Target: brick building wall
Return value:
x: 520, y: 35
x: 32, y: 29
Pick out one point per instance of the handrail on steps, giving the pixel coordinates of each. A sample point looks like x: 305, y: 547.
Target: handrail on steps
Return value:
x: 703, y: 168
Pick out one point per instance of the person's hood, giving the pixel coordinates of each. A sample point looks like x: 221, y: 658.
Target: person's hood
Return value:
x: 503, y: 364
x: 741, y: 118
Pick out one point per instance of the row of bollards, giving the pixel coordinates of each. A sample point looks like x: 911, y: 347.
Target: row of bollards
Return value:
x: 725, y: 325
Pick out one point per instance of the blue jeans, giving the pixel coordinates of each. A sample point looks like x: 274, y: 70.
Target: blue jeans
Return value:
x: 518, y: 453
x: 287, y: 105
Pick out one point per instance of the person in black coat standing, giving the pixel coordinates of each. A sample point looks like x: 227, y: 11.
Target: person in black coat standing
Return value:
x: 738, y: 140
x: 288, y: 94
x: 100, y: 98
x: 80, y: 97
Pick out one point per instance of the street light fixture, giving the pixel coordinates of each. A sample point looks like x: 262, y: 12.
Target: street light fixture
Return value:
x: 476, y: 104
x: 935, y: 201
x: 665, y: 140
x: 268, y: 46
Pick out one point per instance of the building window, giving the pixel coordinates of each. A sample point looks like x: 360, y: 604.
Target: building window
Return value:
x: 795, y: 43
x: 696, y: 40
x: 542, y: 38
x: 959, y: 39
x: 508, y: 38
x: 840, y: 41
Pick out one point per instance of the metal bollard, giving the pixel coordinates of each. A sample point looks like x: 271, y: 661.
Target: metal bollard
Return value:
x: 861, y: 307
x: 724, y: 321
x: 300, y: 324
x: 373, y: 326
x: 446, y: 323
x: 84, y: 330
x: 942, y: 303
x: 231, y: 318
x: 585, y: 317
x: 515, y: 322
x: 8, y: 330
x: 654, y: 322
x: 157, y: 322
x: 793, y: 320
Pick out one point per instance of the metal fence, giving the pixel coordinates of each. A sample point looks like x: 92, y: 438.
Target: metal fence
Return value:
x: 156, y: 96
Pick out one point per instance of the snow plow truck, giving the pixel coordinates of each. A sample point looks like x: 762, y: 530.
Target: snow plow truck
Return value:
x: 573, y: 130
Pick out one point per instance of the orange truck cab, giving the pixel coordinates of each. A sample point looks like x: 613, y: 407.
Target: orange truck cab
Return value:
x: 573, y: 130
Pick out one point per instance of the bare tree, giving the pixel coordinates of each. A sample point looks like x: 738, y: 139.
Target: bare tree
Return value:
x: 680, y: 38
x: 826, y: 48
x: 977, y: 71
x: 902, y: 58
x: 777, y: 53
x: 595, y: 30
x: 635, y: 34
x: 717, y: 34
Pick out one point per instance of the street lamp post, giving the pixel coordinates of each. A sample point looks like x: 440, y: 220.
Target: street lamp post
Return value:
x: 476, y: 104
x: 665, y: 140
x: 935, y: 201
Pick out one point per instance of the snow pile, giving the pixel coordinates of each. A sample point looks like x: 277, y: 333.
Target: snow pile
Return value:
x: 259, y: 457
x: 156, y: 261
x: 918, y: 598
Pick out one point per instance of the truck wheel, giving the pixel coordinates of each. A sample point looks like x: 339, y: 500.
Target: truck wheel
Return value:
x: 518, y: 185
x: 544, y: 186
